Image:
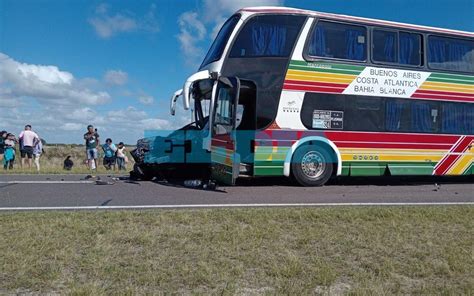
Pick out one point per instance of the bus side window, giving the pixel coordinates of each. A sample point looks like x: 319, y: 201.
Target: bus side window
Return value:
x: 385, y: 46
x: 394, y: 47
x: 424, y: 117
x: 267, y: 36
x: 224, y: 113
x: 450, y: 54
x: 340, y: 41
x: 397, y: 115
x: 457, y: 118
x: 364, y: 114
x: 410, y: 49
x: 418, y: 116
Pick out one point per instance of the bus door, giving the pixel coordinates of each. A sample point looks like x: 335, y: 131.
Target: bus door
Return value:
x: 225, y: 161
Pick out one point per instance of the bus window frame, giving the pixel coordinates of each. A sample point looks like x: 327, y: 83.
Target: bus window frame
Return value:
x: 225, y: 50
x: 398, y: 64
x: 244, y: 23
x: 423, y: 48
x: 310, y: 58
x: 238, y: 31
x: 428, y: 35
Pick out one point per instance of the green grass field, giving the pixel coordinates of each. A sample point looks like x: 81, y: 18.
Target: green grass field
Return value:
x: 312, y: 251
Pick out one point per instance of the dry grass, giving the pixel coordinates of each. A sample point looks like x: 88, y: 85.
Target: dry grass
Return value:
x: 52, y: 161
x: 329, y: 251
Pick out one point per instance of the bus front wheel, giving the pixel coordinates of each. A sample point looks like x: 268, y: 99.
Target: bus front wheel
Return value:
x: 311, y: 165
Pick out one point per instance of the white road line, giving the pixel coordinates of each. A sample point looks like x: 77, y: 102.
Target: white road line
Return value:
x: 240, y: 206
x: 46, y: 182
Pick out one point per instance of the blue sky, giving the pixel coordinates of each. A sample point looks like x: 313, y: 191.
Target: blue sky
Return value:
x: 67, y: 63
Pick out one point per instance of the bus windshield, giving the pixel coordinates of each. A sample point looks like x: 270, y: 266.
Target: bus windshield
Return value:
x: 217, y: 47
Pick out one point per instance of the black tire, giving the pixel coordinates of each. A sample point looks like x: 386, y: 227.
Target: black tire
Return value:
x: 312, y: 165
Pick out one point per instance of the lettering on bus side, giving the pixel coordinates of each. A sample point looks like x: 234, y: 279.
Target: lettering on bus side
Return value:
x: 386, y: 82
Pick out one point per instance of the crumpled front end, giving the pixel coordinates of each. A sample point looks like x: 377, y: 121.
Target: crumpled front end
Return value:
x: 138, y: 153
x: 179, y: 155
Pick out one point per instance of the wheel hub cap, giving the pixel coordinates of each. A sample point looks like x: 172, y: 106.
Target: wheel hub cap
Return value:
x: 313, y: 164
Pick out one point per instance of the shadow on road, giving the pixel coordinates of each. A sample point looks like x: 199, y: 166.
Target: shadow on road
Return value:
x: 339, y: 181
x: 355, y: 181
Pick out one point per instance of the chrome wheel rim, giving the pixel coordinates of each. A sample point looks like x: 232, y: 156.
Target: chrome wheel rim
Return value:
x: 313, y: 164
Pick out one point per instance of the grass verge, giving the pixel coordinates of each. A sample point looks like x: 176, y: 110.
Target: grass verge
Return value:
x: 52, y: 160
x: 355, y: 251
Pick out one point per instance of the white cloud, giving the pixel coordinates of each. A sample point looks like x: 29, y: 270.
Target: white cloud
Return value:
x: 45, y: 83
x: 130, y: 113
x: 107, y: 24
x: 146, y: 99
x: 192, y: 31
x: 155, y: 124
x: 70, y: 126
x: 59, y: 106
x: 101, y: 8
x: 195, y: 26
x: 116, y: 77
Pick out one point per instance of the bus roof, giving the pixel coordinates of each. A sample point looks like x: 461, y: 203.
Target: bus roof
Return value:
x: 286, y: 10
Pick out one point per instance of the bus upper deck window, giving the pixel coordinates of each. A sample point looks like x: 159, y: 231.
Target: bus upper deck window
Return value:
x: 218, y: 46
x: 340, y: 41
x: 389, y: 46
x: 410, y: 48
x: 450, y: 54
x: 267, y: 36
x: 385, y: 46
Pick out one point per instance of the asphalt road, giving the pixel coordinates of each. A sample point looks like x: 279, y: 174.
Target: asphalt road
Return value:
x: 18, y: 191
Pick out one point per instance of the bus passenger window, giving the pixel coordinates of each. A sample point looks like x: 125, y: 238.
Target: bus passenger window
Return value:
x: 397, y: 115
x: 267, y: 36
x: 450, y: 54
x: 385, y: 45
x: 410, y: 49
x: 364, y: 114
x: 340, y: 41
x: 457, y: 118
x: 396, y: 47
x: 424, y: 117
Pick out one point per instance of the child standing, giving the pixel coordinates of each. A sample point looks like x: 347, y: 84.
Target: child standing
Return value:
x: 121, y: 156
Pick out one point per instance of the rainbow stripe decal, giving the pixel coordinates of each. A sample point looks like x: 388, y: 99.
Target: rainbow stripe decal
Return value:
x: 371, y: 81
x: 457, y: 160
x: 369, y: 153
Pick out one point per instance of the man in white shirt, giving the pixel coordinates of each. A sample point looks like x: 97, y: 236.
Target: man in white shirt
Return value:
x: 28, y: 139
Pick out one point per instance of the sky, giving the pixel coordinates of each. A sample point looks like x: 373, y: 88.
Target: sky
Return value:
x: 65, y: 64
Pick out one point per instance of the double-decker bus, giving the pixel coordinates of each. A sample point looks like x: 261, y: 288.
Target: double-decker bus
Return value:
x: 289, y: 92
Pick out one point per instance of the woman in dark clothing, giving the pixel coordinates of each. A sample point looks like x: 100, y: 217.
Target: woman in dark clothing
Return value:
x: 3, y: 136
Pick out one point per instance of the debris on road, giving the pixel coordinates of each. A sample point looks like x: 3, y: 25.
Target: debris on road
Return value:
x: 208, y: 185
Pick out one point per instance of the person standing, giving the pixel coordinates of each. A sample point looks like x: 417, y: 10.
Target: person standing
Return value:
x: 92, y: 142
x: 37, y: 151
x: 121, y: 156
x: 28, y: 140
x: 9, y: 156
x: 109, y: 154
x: 3, y: 137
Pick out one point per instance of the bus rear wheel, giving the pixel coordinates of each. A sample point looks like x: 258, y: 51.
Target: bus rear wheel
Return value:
x: 311, y: 165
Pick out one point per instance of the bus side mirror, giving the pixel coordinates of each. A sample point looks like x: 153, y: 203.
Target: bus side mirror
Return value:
x: 189, y: 83
x: 174, y: 98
